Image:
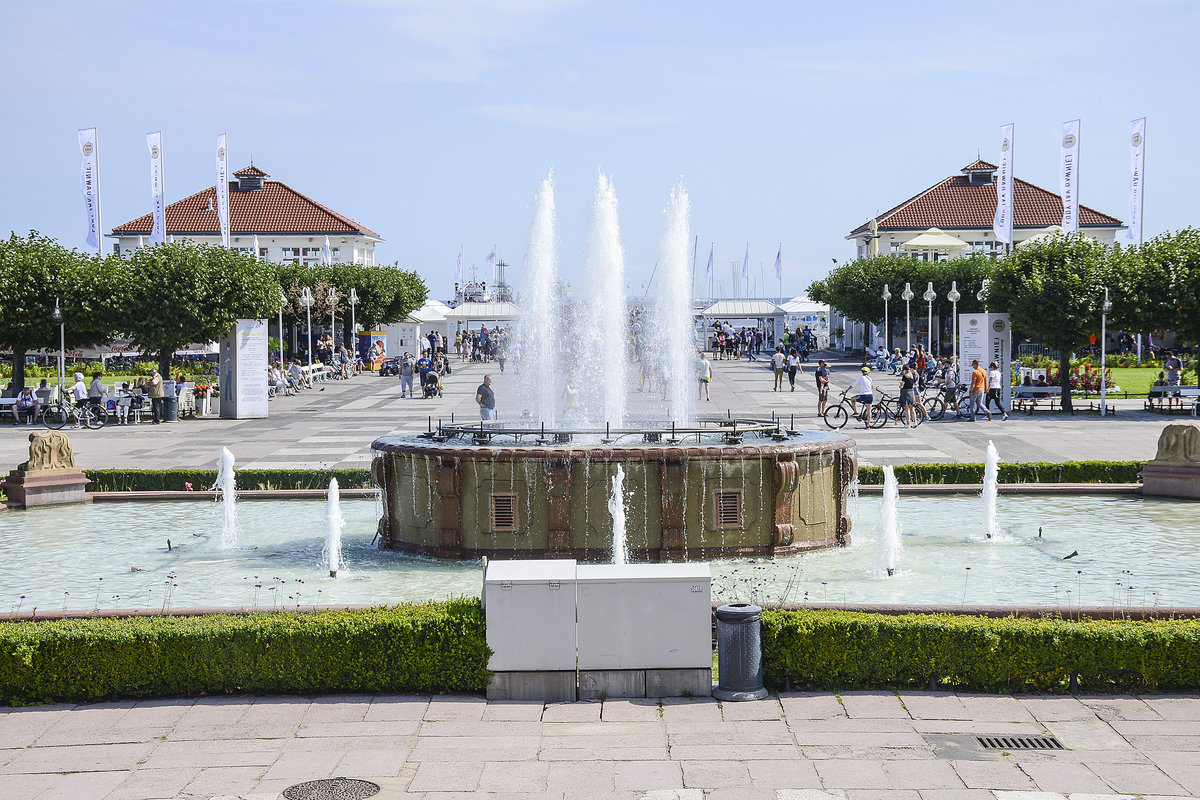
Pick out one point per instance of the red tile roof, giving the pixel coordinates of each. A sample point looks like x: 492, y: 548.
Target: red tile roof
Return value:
x: 954, y: 203
x: 978, y: 164
x: 252, y: 172
x: 275, y: 208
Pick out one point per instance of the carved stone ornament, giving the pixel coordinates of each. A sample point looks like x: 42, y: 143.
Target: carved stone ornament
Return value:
x: 49, y: 450
x: 1179, y: 443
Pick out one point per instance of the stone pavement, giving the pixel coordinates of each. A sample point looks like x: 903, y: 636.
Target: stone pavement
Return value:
x: 335, y: 427
x: 799, y: 746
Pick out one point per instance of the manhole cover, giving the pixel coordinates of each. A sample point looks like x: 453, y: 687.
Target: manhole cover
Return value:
x: 332, y: 789
x: 1019, y: 743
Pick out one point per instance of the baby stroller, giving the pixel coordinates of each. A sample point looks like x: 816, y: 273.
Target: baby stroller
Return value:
x: 431, y: 385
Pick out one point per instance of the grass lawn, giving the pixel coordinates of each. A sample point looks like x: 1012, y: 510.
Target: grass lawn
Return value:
x: 1135, y: 380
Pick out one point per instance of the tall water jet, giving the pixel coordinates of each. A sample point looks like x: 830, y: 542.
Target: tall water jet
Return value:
x: 608, y: 317
x: 890, y: 546
x: 991, y: 475
x: 227, y: 484
x: 541, y: 316
x: 616, y: 509
x: 334, y: 525
x: 672, y: 337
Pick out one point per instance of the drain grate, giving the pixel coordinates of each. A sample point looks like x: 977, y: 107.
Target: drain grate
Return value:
x: 332, y: 789
x: 1019, y: 743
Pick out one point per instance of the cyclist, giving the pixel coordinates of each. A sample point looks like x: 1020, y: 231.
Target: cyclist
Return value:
x: 861, y: 389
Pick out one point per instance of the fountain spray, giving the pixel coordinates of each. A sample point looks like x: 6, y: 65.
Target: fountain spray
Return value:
x: 672, y: 336
x: 616, y: 508
x: 607, y: 306
x: 540, y: 323
x: 334, y: 523
x: 890, y: 546
x: 227, y: 484
x: 991, y: 473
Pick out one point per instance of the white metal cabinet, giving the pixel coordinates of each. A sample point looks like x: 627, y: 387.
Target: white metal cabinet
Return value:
x: 530, y: 610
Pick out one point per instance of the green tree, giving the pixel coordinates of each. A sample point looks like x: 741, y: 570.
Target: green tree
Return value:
x: 1054, y: 288
x: 35, y: 273
x: 173, y: 294
x: 1158, y: 285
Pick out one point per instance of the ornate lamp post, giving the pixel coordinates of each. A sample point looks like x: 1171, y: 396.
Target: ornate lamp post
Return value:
x: 307, y: 300
x: 353, y: 322
x: 282, y: 305
x: 1105, y: 310
x: 908, y: 295
x: 981, y: 295
x: 331, y: 298
x: 930, y: 295
x: 887, y: 295
x: 953, y: 296
x: 57, y: 316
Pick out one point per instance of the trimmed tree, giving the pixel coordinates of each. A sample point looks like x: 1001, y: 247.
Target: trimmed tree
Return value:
x: 1159, y: 285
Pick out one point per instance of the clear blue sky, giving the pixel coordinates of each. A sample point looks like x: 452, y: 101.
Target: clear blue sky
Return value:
x: 433, y: 121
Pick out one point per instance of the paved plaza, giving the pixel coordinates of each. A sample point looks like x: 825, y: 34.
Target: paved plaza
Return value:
x: 334, y: 425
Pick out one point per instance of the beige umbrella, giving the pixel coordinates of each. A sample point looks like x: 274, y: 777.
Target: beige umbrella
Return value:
x: 934, y: 239
x: 1047, y: 233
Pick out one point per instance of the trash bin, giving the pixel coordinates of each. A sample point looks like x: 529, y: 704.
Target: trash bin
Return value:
x: 170, y: 402
x: 739, y: 653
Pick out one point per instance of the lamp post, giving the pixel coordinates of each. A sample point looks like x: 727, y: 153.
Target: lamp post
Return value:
x: 331, y: 298
x: 57, y: 316
x: 981, y: 295
x: 1104, y: 312
x: 908, y: 295
x: 307, y: 300
x: 930, y: 295
x: 282, y: 305
x: 887, y: 295
x: 953, y: 296
x: 353, y: 322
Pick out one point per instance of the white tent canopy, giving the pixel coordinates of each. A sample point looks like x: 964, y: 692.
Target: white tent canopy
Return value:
x: 482, y: 312
x: 934, y: 239
x: 742, y: 309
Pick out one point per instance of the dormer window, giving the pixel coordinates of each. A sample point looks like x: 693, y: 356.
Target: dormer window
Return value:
x: 980, y: 173
x: 250, y: 179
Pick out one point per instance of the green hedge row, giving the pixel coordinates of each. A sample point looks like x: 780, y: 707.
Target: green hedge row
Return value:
x: 429, y: 647
x: 848, y: 650
x: 175, y: 480
x: 1033, y: 472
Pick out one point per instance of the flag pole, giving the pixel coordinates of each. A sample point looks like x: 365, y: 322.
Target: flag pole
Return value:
x: 695, y: 247
x: 780, y: 276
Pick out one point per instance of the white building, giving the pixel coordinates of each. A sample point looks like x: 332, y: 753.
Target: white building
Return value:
x: 290, y: 226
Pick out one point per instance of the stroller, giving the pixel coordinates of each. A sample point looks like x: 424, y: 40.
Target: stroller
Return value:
x: 431, y: 385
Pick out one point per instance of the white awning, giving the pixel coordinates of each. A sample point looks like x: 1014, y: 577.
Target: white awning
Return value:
x: 482, y: 312
x: 742, y: 309
x: 934, y: 239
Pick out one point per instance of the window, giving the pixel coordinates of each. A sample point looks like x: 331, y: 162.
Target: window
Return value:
x: 503, y: 507
x: 729, y: 509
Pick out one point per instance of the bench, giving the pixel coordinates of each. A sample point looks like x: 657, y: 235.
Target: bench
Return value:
x: 1188, y: 396
x: 1025, y: 398
x: 317, y: 372
x: 6, y: 406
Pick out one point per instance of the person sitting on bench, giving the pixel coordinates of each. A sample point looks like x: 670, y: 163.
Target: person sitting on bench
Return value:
x: 27, y: 403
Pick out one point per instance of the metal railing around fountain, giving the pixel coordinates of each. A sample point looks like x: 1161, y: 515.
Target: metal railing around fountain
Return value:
x: 731, y: 430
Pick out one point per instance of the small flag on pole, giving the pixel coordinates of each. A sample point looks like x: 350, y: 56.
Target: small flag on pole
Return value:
x: 326, y: 252
x: 708, y: 269
x: 746, y: 262
x: 458, y: 270
x: 779, y: 263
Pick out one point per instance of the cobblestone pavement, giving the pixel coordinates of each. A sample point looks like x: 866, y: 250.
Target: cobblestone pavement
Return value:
x: 335, y: 424
x: 799, y: 746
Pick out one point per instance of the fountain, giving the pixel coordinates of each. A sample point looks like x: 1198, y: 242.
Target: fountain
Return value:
x: 616, y: 510
x: 991, y: 476
x: 890, y: 546
x: 540, y: 333
x: 227, y: 484
x: 607, y: 314
x: 334, y: 525
x: 672, y: 333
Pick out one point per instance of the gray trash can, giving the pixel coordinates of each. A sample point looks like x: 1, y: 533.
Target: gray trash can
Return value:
x: 170, y: 408
x: 739, y: 653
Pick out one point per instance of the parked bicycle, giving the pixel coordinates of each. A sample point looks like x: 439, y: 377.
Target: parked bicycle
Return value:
x: 836, y: 416
x: 58, y: 414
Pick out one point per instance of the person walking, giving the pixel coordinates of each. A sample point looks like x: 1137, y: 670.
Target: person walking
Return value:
x: 822, y: 386
x: 485, y: 398
x: 793, y: 366
x: 993, y: 391
x: 407, y: 367
x: 778, y: 363
x: 704, y: 370
x: 979, y: 382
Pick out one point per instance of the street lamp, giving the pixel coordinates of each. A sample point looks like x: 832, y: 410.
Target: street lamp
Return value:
x: 57, y: 316
x: 953, y: 296
x: 1105, y: 310
x: 887, y: 295
x: 331, y: 298
x: 282, y: 305
x: 908, y: 295
x: 353, y: 323
x: 307, y: 300
x: 981, y: 295
x: 930, y: 295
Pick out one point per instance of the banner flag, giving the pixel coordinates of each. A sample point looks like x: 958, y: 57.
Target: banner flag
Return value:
x: 779, y: 263
x: 1002, y: 223
x: 89, y: 178
x: 223, y: 188
x: 1068, y: 179
x: 1137, y: 179
x: 708, y: 269
x: 458, y: 270
x: 492, y: 263
x: 254, y: 246
x: 746, y: 262
x: 326, y: 253
x: 159, y: 233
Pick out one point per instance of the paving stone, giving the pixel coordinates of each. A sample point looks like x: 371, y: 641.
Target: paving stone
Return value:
x: 1056, y: 709
x: 1136, y: 778
x: 1003, y: 794
x: 84, y: 758
x: 585, y: 711
x: 508, y: 776
x: 83, y: 786
x: 673, y: 794
x: 934, y: 705
x: 579, y: 777
x: 678, y: 709
x: 648, y: 775
x: 636, y: 710
x: 21, y: 728
x: 756, y: 752
x: 740, y: 793
x: 859, y: 739
x: 992, y: 775
x: 883, y: 794
x: 222, y: 780
x: 455, y: 707
x: 1088, y: 735
x: 858, y: 753
x: 749, y: 732
x: 490, y: 748
x: 307, y: 765
x: 1156, y: 727
x: 1118, y: 707
x: 994, y: 708
x: 390, y: 708
x: 109, y: 734
x: 715, y: 774
x: 333, y: 730
x: 337, y: 708
x: 1062, y: 777
x: 956, y: 794
x: 766, y: 709
x: 873, y: 705
x: 604, y: 729
x: 220, y: 753
x: 28, y: 787
x: 1190, y: 757
x: 646, y: 753
x: 811, y: 705
x: 795, y: 774
x: 810, y: 794
x: 470, y: 727
x: 1184, y: 708
x: 372, y: 762
x: 443, y: 776
x: 513, y: 711
x: 152, y: 783
x: 844, y: 774
x: 922, y: 775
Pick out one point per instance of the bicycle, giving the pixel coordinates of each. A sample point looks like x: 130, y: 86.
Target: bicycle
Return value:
x: 838, y: 415
x: 57, y: 415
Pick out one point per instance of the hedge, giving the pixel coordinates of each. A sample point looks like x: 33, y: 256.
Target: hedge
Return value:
x: 829, y: 649
x: 168, y: 480
x: 1033, y: 472
x: 428, y: 647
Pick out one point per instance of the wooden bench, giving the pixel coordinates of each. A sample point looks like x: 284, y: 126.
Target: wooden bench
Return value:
x: 1188, y: 397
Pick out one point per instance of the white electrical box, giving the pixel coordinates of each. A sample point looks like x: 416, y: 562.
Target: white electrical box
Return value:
x: 530, y: 610
x: 644, y: 616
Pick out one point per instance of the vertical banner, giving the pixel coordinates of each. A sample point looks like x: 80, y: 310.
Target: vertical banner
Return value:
x: 254, y: 246
x: 1002, y: 223
x: 708, y: 270
x: 986, y: 338
x: 1137, y: 178
x: 154, y: 142
x: 746, y: 262
x: 223, y: 188
x: 89, y: 178
x: 1068, y: 178
x: 326, y: 253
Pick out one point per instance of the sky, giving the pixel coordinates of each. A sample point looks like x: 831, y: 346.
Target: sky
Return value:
x: 433, y: 121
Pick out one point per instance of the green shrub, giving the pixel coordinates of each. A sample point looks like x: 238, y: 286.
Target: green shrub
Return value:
x: 174, y: 480
x: 429, y: 647
x: 1033, y: 472
x: 847, y: 650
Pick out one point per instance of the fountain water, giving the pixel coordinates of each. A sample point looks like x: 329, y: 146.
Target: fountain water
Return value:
x: 890, y: 546
x: 671, y: 336
x: 334, y: 525
x: 991, y: 475
x: 539, y: 325
x: 227, y: 483
x: 616, y: 509
x: 607, y: 314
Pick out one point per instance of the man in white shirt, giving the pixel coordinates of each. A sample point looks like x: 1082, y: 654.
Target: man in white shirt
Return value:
x: 79, y: 389
x: 704, y: 370
x: 778, y: 361
x: 994, y: 387
x: 862, y: 390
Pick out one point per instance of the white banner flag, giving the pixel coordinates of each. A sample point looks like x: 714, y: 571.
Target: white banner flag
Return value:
x: 223, y: 188
x: 254, y: 246
x: 458, y: 269
x: 746, y: 263
x: 779, y: 263
x: 326, y: 253
x: 1002, y: 223
x: 1137, y: 179
x: 492, y: 263
x: 1068, y: 178
x: 708, y: 269
x: 158, y: 234
x: 89, y: 178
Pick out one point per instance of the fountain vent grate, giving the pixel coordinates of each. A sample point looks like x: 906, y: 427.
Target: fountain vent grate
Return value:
x: 332, y: 789
x: 1019, y: 743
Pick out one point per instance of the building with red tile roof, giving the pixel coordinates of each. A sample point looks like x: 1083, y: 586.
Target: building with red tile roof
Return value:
x: 290, y: 226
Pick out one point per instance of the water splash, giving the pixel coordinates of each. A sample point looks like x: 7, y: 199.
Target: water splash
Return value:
x: 890, y: 546
x: 672, y: 336
x: 607, y: 308
x: 227, y: 484
x: 540, y: 325
x: 334, y: 525
x: 991, y: 473
x: 616, y: 509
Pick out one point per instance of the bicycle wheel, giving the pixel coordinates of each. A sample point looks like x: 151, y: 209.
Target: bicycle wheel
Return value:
x: 92, y: 419
x: 55, y: 416
x: 936, y: 407
x: 836, y: 416
x: 879, y: 414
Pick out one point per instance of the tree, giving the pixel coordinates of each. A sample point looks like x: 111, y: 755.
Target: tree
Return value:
x: 173, y: 294
x: 35, y: 273
x: 1158, y: 285
x: 1054, y: 288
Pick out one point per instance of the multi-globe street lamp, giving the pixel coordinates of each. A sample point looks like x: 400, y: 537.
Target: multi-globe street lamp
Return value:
x: 953, y: 296
x: 908, y: 295
x: 57, y: 316
x: 353, y: 323
x: 930, y: 295
x: 1105, y: 310
x: 307, y: 300
x: 887, y: 295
